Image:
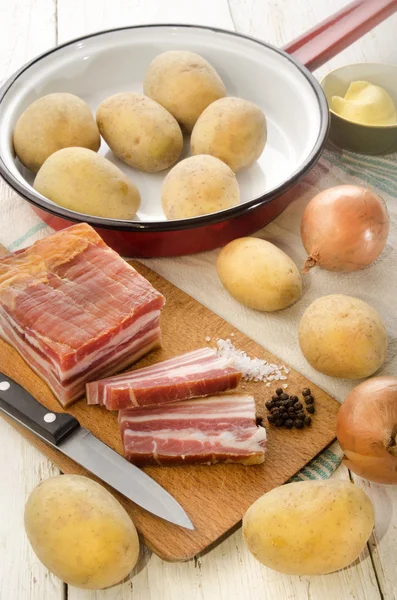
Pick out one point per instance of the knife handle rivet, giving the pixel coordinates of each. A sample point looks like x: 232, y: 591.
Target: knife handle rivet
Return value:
x: 4, y: 386
x: 49, y: 417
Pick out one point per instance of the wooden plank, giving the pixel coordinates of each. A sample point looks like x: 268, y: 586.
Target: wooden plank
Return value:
x: 76, y: 18
x: 27, y: 27
x: 22, y: 468
x: 215, y: 498
x: 280, y: 22
x: 383, y: 541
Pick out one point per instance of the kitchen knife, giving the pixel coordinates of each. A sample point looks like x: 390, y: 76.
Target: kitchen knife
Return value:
x: 63, y: 432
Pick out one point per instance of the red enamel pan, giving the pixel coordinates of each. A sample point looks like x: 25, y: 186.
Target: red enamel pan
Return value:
x: 279, y: 81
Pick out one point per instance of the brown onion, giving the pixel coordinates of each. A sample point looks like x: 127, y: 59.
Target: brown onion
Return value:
x: 367, y: 429
x: 344, y: 228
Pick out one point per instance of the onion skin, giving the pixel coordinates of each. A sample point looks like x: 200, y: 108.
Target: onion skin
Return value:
x: 366, y: 429
x: 344, y: 228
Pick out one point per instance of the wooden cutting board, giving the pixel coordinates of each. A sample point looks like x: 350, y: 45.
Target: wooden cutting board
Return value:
x: 214, y: 497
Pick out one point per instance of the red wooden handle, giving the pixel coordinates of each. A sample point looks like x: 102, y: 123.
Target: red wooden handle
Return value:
x: 341, y: 29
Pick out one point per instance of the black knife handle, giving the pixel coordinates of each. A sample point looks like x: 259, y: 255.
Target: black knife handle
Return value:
x: 16, y: 402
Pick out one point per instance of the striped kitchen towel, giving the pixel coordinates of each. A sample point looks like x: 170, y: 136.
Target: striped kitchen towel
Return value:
x: 322, y: 466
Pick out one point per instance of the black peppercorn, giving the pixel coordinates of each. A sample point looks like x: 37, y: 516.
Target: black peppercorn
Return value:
x: 287, y: 411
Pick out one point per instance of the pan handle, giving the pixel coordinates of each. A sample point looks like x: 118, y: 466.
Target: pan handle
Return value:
x: 328, y: 38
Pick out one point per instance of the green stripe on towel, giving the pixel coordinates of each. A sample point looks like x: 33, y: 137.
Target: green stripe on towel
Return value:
x: 378, y: 172
x: 321, y: 467
x: 27, y: 235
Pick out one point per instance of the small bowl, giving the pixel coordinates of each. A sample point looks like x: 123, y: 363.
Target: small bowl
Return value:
x: 365, y: 139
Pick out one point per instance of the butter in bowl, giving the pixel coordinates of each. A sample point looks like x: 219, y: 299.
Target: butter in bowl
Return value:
x: 363, y: 104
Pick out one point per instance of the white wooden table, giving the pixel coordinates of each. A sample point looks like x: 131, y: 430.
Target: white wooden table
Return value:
x: 27, y: 28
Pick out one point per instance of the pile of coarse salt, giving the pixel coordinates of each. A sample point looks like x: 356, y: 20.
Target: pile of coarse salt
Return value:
x: 253, y: 369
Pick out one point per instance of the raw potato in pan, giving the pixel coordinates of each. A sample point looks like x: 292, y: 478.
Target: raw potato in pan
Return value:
x: 232, y: 129
x: 197, y: 186
x: 184, y: 83
x: 53, y: 122
x: 140, y: 132
x: 81, y: 180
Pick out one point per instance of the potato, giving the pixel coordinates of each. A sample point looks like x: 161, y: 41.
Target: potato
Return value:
x: 80, y: 532
x: 309, y: 527
x: 53, y: 122
x: 258, y: 274
x: 342, y: 336
x: 140, y: 132
x: 81, y: 180
x: 233, y: 130
x: 197, y: 186
x: 184, y: 83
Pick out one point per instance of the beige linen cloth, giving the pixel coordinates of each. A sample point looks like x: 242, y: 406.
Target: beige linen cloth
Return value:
x: 278, y: 332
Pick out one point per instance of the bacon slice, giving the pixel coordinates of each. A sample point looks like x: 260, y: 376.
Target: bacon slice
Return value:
x: 191, y: 375
x: 75, y: 310
x: 203, y: 431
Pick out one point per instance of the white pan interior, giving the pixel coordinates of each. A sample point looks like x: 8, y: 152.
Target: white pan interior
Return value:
x: 117, y: 61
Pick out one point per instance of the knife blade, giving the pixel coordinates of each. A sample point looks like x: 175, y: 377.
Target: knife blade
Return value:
x: 64, y: 432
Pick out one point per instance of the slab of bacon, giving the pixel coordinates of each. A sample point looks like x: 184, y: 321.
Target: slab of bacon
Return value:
x: 75, y: 310
x: 191, y: 375
x: 203, y: 431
